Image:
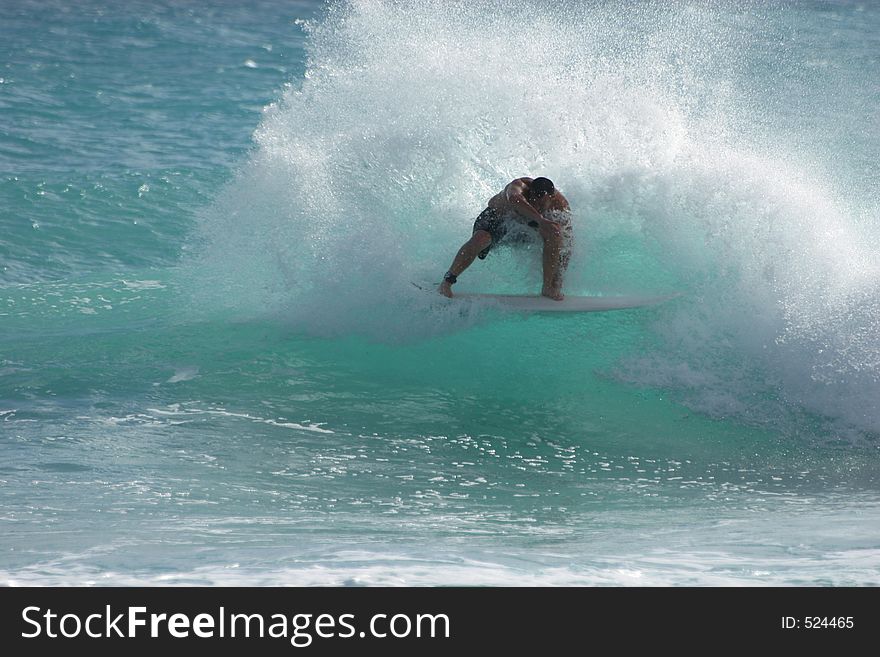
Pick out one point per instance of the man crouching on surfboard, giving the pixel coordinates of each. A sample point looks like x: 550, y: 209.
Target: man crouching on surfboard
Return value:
x: 525, y: 202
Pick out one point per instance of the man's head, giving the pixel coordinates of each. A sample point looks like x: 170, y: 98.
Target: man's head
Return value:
x: 540, y: 188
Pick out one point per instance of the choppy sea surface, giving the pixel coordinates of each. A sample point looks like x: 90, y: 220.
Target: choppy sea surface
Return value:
x: 214, y: 368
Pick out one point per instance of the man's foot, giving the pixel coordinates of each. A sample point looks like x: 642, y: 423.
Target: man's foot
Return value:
x: 554, y: 293
x: 445, y: 289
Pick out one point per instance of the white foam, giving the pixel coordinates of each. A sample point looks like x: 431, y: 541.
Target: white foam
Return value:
x: 695, y: 568
x: 143, y: 285
x: 184, y: 374
x: 175, y: 410
x: 369, y: 170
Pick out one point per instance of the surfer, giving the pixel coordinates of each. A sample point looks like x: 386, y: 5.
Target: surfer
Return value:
x: 524, y: 204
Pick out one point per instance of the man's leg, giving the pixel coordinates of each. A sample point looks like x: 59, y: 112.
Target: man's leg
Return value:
x: 465, y: 256
x: 563, y: 265
x: 564, y: 256
x: 552, y: 261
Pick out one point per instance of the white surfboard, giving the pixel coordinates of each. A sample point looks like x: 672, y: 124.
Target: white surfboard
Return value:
x: 570, y: 304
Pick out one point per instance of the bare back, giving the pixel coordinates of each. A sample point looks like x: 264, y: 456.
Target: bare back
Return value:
x: 501, y: 201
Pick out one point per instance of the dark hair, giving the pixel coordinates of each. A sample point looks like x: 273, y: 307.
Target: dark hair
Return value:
x: 541, y: 186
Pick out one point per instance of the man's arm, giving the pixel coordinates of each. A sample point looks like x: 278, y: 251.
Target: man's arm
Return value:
x: 514, y: 193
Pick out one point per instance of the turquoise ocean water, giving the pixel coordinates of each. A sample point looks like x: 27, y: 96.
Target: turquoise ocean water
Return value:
x: 214, y: 369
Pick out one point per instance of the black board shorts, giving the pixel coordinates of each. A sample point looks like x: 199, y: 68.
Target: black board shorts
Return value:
x: 493, y: 222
